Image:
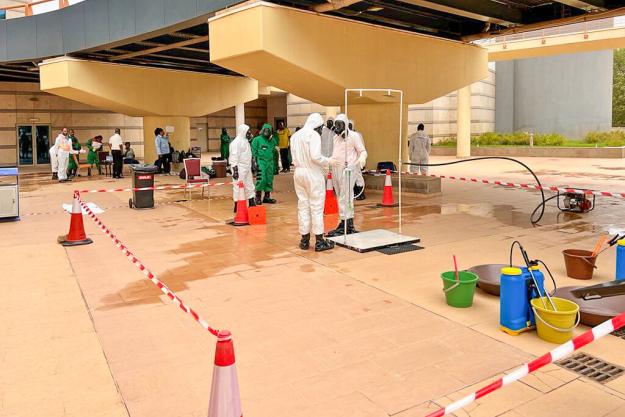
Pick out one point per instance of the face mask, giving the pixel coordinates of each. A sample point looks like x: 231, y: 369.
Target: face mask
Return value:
x: 319, y: 129
x: 351, y: 126
x: 329, y: 124
x: 248, y: 135
x: 339, y: 127
x: 266, y: 133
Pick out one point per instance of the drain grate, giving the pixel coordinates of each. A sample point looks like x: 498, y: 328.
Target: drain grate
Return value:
x: 592, y: 368
x: 394, y: 250
x: 619, y: 333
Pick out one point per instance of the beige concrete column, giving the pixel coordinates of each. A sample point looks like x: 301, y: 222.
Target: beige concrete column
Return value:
x: 239, y: 114
x: 180, y: 138
x: 379, y: 126
x: 463, y: 120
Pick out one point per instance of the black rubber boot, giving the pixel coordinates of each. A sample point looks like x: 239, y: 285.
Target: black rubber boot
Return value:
x: 304, y: 244
x: 268, y: 198
x: 350, y: 227
x: 340, y: 229
x: 251, y: 202
x: 259, y: 200
x: 360, y: 192
x: 321, y: 244
x: 55, y: 176
x: 235, y: 206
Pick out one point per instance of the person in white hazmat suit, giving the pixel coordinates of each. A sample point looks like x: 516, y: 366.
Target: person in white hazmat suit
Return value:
x: 63, y: 147
x: 419, y: 150
x: 359, y: 188
x: 241, y: 165
x: 349, y: 151
x: 54, y: 160
x: 309, y: 180
x: 327, y: 136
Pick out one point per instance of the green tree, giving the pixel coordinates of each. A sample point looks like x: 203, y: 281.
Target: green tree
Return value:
x: 618, y: 89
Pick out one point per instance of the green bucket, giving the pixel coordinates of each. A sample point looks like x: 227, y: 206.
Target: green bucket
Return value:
x: 459, y: 293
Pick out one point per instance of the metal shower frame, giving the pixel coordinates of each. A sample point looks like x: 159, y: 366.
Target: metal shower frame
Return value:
x: 401, y: 124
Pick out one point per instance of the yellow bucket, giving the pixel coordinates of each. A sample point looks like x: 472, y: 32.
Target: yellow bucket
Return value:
x: 555, y: 326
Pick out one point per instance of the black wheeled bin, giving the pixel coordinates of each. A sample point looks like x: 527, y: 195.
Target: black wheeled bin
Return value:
x: 142, y: 177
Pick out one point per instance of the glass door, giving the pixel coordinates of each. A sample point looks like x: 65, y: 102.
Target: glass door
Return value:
x: 33, y: 152
x: 25, y: 144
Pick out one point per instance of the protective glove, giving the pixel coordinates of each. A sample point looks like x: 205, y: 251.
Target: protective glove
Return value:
x: 235, y: 173
x: 362, y: 160
x: 83, y: 151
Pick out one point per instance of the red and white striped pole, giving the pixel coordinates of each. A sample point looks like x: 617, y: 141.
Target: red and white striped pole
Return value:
x: 556, y: 354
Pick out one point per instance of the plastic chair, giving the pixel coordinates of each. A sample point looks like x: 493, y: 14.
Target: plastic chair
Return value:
x: 193, y: 174
x: 104, y: 163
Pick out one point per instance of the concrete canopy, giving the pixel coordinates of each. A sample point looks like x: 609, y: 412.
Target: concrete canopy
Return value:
x: 317, y: 56
x: 143, y: 91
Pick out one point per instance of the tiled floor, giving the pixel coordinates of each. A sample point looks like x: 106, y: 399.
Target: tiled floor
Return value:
x: 332, y: 334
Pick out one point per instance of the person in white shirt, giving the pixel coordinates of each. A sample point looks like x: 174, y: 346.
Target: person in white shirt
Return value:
x: 117, y: 146
x: 54, y: 159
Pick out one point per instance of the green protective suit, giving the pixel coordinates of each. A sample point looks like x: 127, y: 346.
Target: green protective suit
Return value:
x: 263, y: 151
x: 71, y: 165
x: 224, y: 148
x: 92, y: 156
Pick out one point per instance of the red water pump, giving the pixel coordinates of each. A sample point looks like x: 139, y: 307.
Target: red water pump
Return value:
x: 576, y: 201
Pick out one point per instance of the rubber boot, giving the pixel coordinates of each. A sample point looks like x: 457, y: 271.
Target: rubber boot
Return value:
x: 321, y: 244
x: 340, y: 230
x: 251, y: 202
x: 350, y: 227
x: 55, y: 176
x: 235, y: 206
x: 360, y: 192
x: 268, y: 198
x: 304, y: 244
x: 259, y: 200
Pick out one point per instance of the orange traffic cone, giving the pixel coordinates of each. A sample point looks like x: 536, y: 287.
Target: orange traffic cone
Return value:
x: 331, y: 206
x: 387, y: 197
x: 225, y: 400
x: 242, y: 217
x: 76, y: 235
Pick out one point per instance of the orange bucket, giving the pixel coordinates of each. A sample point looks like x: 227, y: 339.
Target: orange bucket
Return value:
x: 580, y: 264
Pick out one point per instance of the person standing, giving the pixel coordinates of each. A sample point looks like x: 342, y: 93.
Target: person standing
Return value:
x: 359, y: 187
x: 350, y: 151
x: 419, y: 148
x: 54, y: 160
x: 93, y: 146
x: 327, y: 138
x: 284, y: 135
x: 241, y: 163
x: 162, y: 149
x: 74, y: 162
x: 63, y: 146
x: 309, y: 181
x: 117, y: 146
x: 263, y: 147
x: 224, y: 144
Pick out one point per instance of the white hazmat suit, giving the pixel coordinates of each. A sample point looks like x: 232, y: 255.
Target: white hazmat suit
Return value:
x: 54, y: 160
x: 349, y: 150
x: 360, y: 181
x: 419, y: 150
x: 309, y: 176
x: 241, y: 159
x: 327, y: 136
x: 63, y: 151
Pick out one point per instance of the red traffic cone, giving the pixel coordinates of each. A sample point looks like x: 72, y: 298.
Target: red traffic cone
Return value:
x: 331, y: 206
x: 76, y: 235
x: 225, y: 400
x: 387, y: 197
x: 242, y: 217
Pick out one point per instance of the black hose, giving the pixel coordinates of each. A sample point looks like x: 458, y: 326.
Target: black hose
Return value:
x: 551, y: 275
x: 540, y: 207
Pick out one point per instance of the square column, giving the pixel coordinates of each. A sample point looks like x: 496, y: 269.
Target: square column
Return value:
x: 463, y: 120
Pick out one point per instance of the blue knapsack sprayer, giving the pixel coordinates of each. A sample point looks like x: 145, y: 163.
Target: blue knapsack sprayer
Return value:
x: 518, y: 287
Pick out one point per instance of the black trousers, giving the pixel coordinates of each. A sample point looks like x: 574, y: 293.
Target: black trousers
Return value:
x: 164, y: 160
x: 118, y: 163
x: 284, y: 158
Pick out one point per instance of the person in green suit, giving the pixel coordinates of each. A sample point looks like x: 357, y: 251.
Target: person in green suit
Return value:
x: 92, y: 156
x: 263, y: 148
x: 224, y: 148
x: 72, y: 165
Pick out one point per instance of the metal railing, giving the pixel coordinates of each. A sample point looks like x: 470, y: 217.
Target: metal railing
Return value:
x: 27, y: 8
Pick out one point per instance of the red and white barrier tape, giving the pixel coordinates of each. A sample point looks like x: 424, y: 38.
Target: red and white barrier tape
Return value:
x: 556, y: 354
x: 136, y: 262
x: 525, y: 186
x: 161, y: 187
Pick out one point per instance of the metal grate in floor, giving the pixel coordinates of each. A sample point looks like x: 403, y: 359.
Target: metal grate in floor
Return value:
x: 592, y: 368
x: 394, y: 250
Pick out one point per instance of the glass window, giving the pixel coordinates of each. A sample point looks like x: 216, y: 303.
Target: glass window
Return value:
x: 25, y: 144
x: 43, y: 144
